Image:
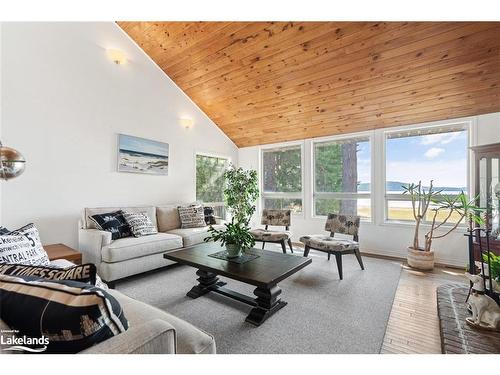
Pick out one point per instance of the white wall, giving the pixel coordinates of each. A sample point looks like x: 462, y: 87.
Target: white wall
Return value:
x: 380, y: 237
x: 64, y: 102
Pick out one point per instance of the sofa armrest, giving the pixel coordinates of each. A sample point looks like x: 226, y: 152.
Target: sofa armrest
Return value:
x: 152, y: 337
x: 91, y: 242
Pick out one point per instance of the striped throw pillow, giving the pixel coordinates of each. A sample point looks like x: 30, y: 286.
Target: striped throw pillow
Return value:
x: 71, y: 315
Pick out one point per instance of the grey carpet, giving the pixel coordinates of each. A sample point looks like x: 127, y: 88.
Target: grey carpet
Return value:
x: 323, y: 315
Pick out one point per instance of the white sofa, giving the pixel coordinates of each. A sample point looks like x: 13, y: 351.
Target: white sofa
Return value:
x: 151, y: 331
x: 129, y: 256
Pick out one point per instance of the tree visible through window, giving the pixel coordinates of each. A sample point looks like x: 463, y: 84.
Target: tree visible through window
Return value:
x: 282, y: 178
x: 210, y: 181
x: 342, y: 177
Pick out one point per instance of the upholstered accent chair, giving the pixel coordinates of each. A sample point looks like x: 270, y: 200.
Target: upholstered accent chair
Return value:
x: 336, y: 223
x: 274, y: 218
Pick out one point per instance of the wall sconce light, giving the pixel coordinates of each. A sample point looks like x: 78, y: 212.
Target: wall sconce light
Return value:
x: 187, y: 122
x: 117, y: 56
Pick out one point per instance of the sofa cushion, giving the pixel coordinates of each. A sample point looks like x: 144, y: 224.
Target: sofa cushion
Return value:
x: 135, y: 247
x: 190, y: 340
x: 140, y: 223
x: 193, y: 236
x: 192, y: 216
x: 84, y: 273
x: 23, y: 246
x: 90, y: 211
x: 71, y: 315
x: 168, y: 218
x: 209, y: 213
x: 112, y: 222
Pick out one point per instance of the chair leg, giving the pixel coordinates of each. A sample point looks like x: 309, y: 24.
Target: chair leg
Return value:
x: 338, y: 257
x: 263, y: 243
x: 306, y: 250
x: 290, y: 244
x: 283, y: 246
x: 358, y: 256
x: 329, y: 254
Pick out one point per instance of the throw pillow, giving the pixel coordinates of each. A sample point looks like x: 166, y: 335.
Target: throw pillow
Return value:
x: 23, y: 246
x: 4, y: 230
x: 209, y: 213
x: 140, y: 223
x: 192, y: 217
x: 113, y: 222
x: 85, y: 273
x: 73, y: 316
x: 64, y: 264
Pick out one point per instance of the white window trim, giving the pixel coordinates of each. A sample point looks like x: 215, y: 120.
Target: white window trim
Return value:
x: 370, y: 136
x: 299, y: 195
x: 470, y: 127
x: 211, y: 155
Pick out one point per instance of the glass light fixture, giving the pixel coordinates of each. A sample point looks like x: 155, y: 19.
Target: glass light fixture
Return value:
x: 117, y: 56
x: 186, y: 122
x: 12, y: 163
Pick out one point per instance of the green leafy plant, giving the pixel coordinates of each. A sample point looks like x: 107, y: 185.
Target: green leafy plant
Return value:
x: 458, y: 207
x: 494, y: 264
x: 241, y: 192
x: 235, y: 233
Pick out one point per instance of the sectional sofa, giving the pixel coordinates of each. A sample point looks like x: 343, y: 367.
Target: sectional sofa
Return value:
x: 129, y: 256
x: 151, y: 331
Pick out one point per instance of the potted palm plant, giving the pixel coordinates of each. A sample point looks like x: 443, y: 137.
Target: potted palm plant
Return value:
x: 446, y: 209
x: 240, y: 195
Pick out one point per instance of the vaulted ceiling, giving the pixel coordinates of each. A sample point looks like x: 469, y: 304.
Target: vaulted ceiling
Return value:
x: 267, y: 82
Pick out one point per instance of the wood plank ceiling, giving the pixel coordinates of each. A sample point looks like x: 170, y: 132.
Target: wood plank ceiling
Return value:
x: 267, y: 82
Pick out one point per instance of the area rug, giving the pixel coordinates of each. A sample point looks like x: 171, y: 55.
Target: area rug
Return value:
x: 323, y: 315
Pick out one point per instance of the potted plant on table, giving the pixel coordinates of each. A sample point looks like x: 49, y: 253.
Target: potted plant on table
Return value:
x: 240, y: 195
x: 236, y: 237
x: 445, y: 208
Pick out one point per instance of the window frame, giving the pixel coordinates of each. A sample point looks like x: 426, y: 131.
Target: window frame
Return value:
x: 284, y: 195
x: 467, y: 125
x: 210, y: 155
x: 340, y: 195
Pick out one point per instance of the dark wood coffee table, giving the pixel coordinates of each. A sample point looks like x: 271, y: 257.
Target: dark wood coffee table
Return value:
x: 265, y: 272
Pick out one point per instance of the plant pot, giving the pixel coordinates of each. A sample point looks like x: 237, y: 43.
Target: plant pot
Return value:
x: 421, y: 260
x: 233, y: 251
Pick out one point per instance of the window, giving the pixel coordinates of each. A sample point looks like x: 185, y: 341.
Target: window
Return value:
x: 342, y: 177
x: 282, y: 178
x: 424, y: 154
x: 210, y: 181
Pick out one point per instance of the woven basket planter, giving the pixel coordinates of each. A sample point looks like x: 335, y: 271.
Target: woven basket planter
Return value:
x: 421, y: 260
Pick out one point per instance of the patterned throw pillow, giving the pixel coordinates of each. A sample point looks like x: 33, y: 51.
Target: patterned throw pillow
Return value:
x: 140, y: 223
x: 23, y: 246
x: 85, y: 273
x: 209, y: 214
x: 73, y: 316
x: 192, y: 216
x: 113, y: 222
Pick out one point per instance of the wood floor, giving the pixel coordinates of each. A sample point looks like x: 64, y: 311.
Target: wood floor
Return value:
x: 413, y: 324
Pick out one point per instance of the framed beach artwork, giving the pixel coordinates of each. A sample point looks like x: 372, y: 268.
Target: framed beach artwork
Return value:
x: 141, y: 155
